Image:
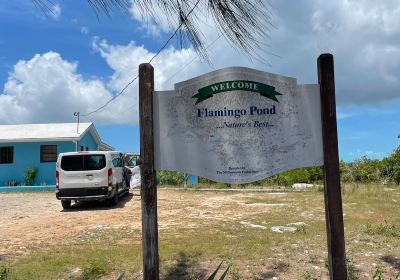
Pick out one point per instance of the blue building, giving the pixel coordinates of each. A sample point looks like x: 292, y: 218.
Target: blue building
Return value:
x: 38, y: 145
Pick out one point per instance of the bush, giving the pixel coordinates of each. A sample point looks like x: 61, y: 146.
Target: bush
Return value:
x: 377, y: 273
x: 346, y: 172
x: 172, y: 178
x: 30, y: 176
x: 390, y: 167
x: 352, y: 272
x: 4, y: 273
x: 94, y: 270
x: 301, y: 175
x: 363, y: 170
x: 366, y: 170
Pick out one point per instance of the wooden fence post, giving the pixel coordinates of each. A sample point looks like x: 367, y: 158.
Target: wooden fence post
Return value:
x: 332, y: 189
x: 148, y: 175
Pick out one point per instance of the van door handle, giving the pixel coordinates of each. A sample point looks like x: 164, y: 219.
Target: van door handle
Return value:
x: 89, y: 175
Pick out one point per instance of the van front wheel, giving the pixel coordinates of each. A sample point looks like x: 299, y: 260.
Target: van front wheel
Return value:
x: 66, y: 204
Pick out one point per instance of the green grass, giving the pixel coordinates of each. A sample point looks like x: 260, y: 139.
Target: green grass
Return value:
x: 371, y: 222
x: 384, y: 229
x: 94, y: 261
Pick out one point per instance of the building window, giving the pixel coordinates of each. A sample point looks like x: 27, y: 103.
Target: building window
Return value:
x: 48, y: 153
x: 6, y: 155
x: 87, y: 148
x: 82, y: 148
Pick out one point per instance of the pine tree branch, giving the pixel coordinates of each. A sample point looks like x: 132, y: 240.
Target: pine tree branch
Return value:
x: 245, y: 24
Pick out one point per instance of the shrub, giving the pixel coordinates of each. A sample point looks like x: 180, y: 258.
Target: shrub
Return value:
x: 4, y: 273
x: 94, y: 270
x: 172, y: 178
x: 385, y: 229
x: 366, y: 170
x: 301, y: 175
x: 377, y: 274
x: 390, y: 167
x: 30, y: 176
x: 352, y: 273
x: 363, y: 170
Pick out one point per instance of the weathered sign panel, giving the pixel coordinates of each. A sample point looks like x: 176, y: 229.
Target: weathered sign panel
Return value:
x: 237, y: 125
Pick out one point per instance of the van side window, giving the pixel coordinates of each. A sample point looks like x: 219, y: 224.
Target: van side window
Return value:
x: 117, y: 162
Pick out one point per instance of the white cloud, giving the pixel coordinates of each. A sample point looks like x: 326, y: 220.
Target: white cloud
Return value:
x: 342, y: 115
x: 124, y: 60
x: 363, y: 36
x: 49, y: 89
x: 154, y: 24
x: 84, y: 30
x: 55, y: 12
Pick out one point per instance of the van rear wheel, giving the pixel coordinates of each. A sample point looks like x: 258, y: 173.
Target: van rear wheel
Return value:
x: 66, y: 204
x: 115, y: 199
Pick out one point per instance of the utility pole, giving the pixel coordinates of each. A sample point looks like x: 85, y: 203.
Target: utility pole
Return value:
x: 76, y: 114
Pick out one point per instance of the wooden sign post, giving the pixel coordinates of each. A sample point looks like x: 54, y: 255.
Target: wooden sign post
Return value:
x: 332, y: 192
x: 148, y: 189
x: 198, y: 134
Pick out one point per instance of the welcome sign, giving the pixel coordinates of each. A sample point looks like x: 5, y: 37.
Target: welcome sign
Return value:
x: 237, y: 125
x: 208, y: 91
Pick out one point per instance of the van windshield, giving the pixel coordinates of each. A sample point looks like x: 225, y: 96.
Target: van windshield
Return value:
x: 83, y: 162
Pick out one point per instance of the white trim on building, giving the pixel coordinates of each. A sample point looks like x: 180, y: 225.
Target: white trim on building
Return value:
x: 49, y: 132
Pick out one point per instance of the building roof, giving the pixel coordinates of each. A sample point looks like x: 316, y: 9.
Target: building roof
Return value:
x: 48, y: 132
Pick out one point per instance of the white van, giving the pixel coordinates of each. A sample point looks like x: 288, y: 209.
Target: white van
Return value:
x: 93, y: 175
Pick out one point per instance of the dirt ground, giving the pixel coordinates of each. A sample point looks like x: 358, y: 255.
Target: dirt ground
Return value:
x: 37, y: 220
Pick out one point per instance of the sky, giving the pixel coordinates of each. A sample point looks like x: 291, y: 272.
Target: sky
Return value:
x: 70, y: 61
